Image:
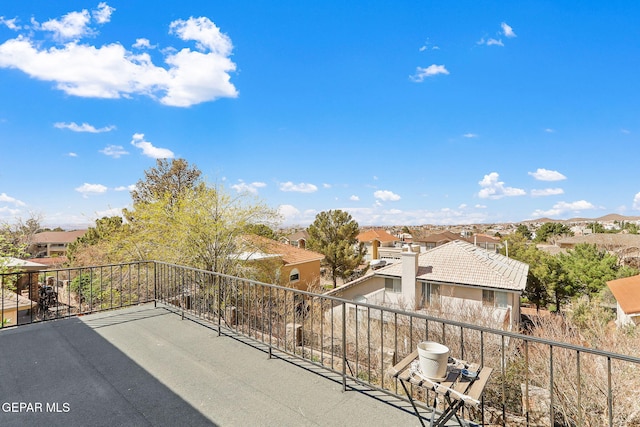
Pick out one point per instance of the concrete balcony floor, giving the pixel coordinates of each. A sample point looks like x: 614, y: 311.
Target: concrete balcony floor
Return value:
x: 145, y: 366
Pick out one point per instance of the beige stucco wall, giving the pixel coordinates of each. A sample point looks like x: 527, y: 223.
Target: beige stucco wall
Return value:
x: 624, y: 319
x: 365, y: 288
x: 9, y: 316
x: 309, y: 275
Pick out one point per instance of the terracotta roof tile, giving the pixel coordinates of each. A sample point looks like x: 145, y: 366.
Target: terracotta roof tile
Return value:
x: 58, y: 236
x: 376, y: 234
x: 627, y: 293
x: 445, y: 236
x: 289, y: 254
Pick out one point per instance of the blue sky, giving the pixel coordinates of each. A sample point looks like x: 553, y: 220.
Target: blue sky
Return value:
x: 409, y: 112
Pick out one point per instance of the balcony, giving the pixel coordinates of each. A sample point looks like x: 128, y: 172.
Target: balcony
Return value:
x: 191, y: 347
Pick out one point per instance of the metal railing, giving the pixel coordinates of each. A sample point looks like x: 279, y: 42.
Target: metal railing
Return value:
x: 534, y: 382
x: 35, y: 296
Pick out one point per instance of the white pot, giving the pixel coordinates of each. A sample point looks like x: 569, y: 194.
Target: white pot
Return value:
x: 433, y: 358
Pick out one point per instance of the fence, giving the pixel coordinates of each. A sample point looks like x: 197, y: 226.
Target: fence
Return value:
x: 35, y: 296
x: 534, y: 382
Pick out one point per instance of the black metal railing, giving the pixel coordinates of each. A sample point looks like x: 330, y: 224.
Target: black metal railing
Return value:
x: 35, y: 296
x: 535, y: 381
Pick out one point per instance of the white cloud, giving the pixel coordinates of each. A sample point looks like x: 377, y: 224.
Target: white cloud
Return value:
x: 549, y: 130
x: 428, y: 45
x: 84, y: 127
x: 470, y: 135
x: 114, y: 151
x: 8, y: 199
x: 125, y: 188
x: 111, y: 71
x: 293, y: 216
x: 288, y: 210
x: 371, y: 216
x: 7, y: 210
x: 562, y: 208
x: 108, y: 213
x: 636, y: 201
x: 625, y: 131
x: 298, y: 188
x: 10, y: 23
x: 494, y: 42
x: 507, y: 30
x: 72, y: 26
x: 72, y: 154
x: 478, y: 206
x: 205, y: 33
x: 430, y: 71
x: 386, y: 196
x: 326, y: 185
x: 142, y: 43
x: 547, y: 192
x: 494, y: 189
x: 354, y: 198
x: 490, y: 42
x: 103, y: 13
x: 547, y: 175
x: 88, y: 189
x: 243, y: 187
x: 149, y: 150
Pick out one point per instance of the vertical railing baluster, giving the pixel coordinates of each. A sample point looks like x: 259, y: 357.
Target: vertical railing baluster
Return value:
x: 503, y: 368
x: 579, y: 388
x: 551, y: 403
x: 526, y: 381
x: 609, y: 392
x: 344, y: 346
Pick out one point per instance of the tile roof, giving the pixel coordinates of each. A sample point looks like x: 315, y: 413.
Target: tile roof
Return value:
x: 445, y: 236
x: 58, y: 236
x: 298, y: 235
x: 289, y: 254
x: 20, y: 263
x: 463, y: 263
x: 482, y: 238
x: 627, y: 293
x: 376, y: 234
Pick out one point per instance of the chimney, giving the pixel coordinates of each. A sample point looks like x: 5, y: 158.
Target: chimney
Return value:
x: 409, y: 256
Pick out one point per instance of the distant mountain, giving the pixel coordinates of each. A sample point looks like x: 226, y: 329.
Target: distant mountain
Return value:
x: 605, y: 218
x: 617, y: 217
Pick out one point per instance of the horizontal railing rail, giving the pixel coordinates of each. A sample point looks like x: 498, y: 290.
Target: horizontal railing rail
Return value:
x: 35, y: 296
x: 535, y: 381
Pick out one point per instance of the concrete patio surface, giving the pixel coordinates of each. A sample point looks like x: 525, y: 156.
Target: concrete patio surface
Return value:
x: 145, y: 366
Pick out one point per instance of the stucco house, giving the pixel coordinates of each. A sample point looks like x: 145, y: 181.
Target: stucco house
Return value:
x: 627, y: 294
x: 430, y: 241
x: 450, y: 279
x: 379, y: 244
x: 53, y: 243
x: 297, y: 239
x: 282, y: 263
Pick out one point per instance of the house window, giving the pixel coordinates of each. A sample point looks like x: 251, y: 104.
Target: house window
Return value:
x: 430, y: 295
x: 487, y: 298
x: 392, y: 285
x: 494, y: 299
x: 501, y: 299
x: 294, y: 276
